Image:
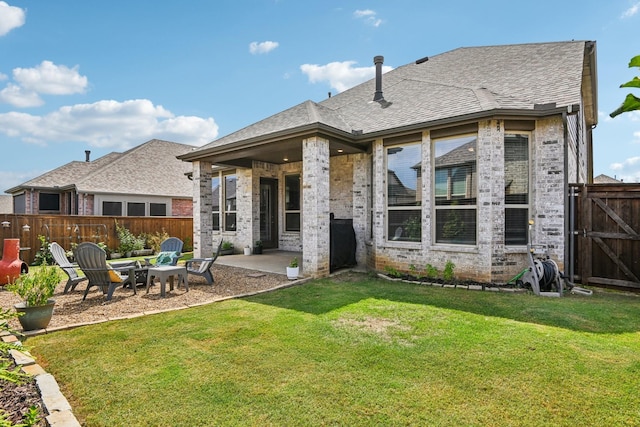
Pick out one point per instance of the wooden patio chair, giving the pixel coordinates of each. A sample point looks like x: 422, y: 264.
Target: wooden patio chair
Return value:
x: 202, y: 266
x: 60, y: 257
x: 92, y: 260
x: 170, y: 252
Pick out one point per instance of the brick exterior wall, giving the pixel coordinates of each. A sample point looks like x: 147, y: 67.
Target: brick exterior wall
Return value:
x: 202, y: 205
x: 182, y: 207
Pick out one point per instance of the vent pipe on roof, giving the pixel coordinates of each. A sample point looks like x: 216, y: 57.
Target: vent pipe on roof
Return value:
x: 87, y: 154
x: 378, y: 60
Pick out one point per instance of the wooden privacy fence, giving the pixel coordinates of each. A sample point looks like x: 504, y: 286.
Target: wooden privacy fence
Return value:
x: 607, y: 235
x: 68, y: 229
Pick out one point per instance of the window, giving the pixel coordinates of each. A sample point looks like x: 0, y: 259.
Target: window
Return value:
x: 112, y: 208
x: 49, y: 202
x: 516, y: 188
x: 455, y: 190
x: 230, y: 203
x: 135, y: 209
x: 404, y: 181
x: 292, y: 202
x: 157, y: 209
x: 20, y: 204
x: 215, y: 205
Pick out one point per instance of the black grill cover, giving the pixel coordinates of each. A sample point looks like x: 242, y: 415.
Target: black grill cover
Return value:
x: 342, y: 244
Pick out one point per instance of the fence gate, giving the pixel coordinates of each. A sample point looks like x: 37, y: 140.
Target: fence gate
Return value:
x: 608, y: 235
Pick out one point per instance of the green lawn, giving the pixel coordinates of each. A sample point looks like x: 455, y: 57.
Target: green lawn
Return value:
x: 359, y: 351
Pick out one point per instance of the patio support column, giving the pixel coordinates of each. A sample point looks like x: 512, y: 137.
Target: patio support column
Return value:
x: 315, y: 207
x: 202, y: 214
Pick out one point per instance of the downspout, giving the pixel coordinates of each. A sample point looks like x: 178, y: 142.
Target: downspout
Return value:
x: 568, y: 210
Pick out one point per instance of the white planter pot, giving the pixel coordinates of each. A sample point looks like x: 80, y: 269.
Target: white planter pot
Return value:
x: 247, y: 251
x: 292, y: 272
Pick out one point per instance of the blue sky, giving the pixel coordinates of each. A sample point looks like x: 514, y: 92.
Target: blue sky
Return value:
x: 107, y: 76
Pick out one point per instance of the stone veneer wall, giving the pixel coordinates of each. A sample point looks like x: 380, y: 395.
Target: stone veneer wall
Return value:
x: 202, y: 205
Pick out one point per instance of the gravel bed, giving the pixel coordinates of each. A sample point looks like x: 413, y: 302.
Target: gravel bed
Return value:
x: 71, y: 310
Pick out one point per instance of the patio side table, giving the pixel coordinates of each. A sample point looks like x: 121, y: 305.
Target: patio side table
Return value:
x: 165, y: 272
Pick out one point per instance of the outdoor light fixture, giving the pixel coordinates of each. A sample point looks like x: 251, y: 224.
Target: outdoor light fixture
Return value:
x: 26, y: 227
x: 6, y: 224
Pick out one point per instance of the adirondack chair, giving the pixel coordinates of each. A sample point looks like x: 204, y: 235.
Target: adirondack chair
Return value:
x: 202, y: 266
x: 63, y: 262
x: 170, y: 251
x: 92, y: 260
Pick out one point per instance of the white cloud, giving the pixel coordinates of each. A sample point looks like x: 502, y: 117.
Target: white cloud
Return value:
x: 340, y: 75
x: 631, y: 11
x: 11, y: 17
x: 3, y: 76
x: 368, y: 16
x: 51, y: 79
x: 112, y: 124
x: 263, y: 47
x: 46, y: 78
x: 18, y: 97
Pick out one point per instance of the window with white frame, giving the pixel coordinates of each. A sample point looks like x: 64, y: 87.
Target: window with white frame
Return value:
x: 516, y: 188
x: 230, y: 213
x: 215, y: 203
x: 455, y: 189
x: 404, y: 181
x: 292, y: 202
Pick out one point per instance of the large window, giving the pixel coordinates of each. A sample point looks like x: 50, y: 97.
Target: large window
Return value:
x: 455, y: 189
x: 404, y: 182
x: 215, y: 205
x: 292, y: 202
x: 230, y: 202
x: 49, y: 202
x: 516, y: 188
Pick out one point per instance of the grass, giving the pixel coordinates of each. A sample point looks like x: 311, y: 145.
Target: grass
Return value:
x: 359, y: 351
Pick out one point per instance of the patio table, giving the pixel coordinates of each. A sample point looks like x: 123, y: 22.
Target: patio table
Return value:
x: 165, y: 272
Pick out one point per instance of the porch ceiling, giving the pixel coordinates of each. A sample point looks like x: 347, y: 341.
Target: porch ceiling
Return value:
x: 279, y: 152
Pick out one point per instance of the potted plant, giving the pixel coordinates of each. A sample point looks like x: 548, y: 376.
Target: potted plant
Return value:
x: 293, y: 269
x: 36, y: 290
x: 257, y: 249
x: 227, y: 248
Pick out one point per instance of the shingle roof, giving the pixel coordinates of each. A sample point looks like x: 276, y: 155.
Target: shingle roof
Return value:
x: 464, y: 81
x: 150, y: 168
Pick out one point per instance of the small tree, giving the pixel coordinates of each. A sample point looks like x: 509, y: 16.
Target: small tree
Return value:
x: 631, y: 102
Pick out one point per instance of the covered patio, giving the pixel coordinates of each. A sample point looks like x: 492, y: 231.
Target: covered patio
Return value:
x: 270, y: 261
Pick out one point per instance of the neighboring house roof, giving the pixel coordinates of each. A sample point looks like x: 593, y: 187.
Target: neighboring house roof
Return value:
x: 605, y: 179
x: 150, y: 168
x: 6, y: 204
x: 527, y: 79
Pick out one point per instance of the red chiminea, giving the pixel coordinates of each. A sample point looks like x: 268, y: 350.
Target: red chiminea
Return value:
x: 11, y: 265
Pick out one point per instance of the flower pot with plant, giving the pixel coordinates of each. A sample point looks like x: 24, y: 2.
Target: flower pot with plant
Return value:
x: 293, y: 269
x: 227, y: 248
x: 257, y: 248
x: 247, y: 250
x: 36, y: 290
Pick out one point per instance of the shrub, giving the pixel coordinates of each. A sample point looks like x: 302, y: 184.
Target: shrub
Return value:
x: 448, y: 271
x: 44, y: 255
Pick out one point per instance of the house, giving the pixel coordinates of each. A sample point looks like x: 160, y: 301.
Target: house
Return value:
x: 147, y: 180
x: 443, y: 159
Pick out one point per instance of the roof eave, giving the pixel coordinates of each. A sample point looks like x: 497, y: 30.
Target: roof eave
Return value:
x: 544, y: 111
x: 298, y: 132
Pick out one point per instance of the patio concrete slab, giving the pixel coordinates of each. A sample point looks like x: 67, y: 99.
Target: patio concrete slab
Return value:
x: 270, y: 261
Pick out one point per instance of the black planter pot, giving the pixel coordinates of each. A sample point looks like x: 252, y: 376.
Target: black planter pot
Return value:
x: 257, y: 250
